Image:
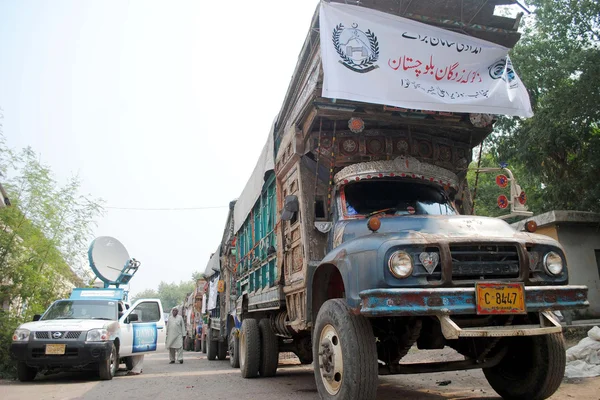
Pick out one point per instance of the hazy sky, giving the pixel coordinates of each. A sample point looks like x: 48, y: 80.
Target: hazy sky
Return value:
x: 154, y: 104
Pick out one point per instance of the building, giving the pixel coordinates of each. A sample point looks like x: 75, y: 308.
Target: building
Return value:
x: 579, y: 233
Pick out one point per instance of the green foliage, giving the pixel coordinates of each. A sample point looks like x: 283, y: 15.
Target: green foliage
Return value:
x: 43, y: 240
x: 558, y: 149
x: 170, y: 294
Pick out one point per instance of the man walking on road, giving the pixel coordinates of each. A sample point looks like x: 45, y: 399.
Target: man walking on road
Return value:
x: 175, y: 335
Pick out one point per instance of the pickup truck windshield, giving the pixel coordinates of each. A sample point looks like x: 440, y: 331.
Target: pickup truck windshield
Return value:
x: 82, y: 309
x: 396, y: 197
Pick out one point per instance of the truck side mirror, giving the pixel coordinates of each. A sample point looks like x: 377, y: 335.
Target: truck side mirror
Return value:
x: 36, y: 317
x: 290, y: 207
x: 132, y: 318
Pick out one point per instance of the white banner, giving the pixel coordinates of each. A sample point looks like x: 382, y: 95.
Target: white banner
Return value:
x: 374, y: 57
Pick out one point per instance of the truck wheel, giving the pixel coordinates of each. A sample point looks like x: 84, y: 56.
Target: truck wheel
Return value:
x: 532, y: 368
x: 222, y: 350
x: 234, y: 349
x: 211, y: 347
x: 269, y: 349
x: 249, y: 348
x: 197, y: 345
x: 345, y: 353
x: 204, y: 345
x: 108, y: 367
x: 25, y: 373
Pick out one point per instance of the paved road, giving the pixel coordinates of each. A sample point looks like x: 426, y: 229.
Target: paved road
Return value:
x: 198, y: 377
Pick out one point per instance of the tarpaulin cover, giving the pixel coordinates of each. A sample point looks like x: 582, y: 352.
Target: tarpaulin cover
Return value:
x: 583, y: 360
x: 253, y: 188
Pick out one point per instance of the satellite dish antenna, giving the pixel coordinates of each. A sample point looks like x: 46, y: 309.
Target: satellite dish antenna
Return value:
x: 110, y: 261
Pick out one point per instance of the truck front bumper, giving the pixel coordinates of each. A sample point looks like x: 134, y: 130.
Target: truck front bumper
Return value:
x: 443, y: 303
x: 77, y: 355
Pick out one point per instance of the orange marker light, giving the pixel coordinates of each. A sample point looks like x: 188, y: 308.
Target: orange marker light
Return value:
x: 531, y: 226
x: 374, y: 224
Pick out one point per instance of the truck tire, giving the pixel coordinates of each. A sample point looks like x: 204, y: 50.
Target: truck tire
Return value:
x: 269, y: 354
x: 197, y: 345
x: 108, y: 368
x: 222, y: 350
x: 234, y: 348
x: 211, y: 346
x: 249, y: 348
x: 532, y: 368
x: 204, y: 345
x: 345, y: 353
x: 25, y: 373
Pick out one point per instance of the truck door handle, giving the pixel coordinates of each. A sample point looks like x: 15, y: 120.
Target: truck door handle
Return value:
x: 159, y: 327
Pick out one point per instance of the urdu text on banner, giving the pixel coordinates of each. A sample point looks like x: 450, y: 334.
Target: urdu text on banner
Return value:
x: 374, y: 57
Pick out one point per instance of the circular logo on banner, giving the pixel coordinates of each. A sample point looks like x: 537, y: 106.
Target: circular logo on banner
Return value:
x: 502, y: 201
x: 358, y: 50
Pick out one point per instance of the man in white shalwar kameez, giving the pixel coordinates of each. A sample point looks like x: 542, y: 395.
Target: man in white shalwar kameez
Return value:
x: 175, y: 335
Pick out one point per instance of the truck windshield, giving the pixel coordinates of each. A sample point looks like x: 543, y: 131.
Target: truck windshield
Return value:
x: 395, y: 197
x: 82, y: 309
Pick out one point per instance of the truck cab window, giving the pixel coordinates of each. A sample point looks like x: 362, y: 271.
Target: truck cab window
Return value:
x: 396, y: 198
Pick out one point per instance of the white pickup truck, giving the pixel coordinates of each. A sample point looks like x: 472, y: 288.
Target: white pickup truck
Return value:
x: 95, y: 329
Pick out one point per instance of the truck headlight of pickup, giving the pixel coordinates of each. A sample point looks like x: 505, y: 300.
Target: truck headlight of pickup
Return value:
x: 400, y: 264
x: 97, y: 335
x: 21, y: 335
x: 553, y: 263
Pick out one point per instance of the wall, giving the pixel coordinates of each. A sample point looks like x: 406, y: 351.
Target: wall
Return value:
x: 579, y: 242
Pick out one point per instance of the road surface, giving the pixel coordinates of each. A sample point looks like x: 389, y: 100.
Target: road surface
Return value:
x: 197, y: 377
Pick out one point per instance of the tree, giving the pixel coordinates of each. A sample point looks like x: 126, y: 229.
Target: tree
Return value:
x: 43, y: 241
x: 558, y: 60
x: 170, y: 294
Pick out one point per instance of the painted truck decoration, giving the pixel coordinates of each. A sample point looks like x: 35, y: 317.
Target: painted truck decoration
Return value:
x: 354, y: 240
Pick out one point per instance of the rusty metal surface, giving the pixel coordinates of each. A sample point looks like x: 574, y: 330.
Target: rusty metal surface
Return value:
x: 454, y: 301
x: 424, y: 368
x: 548, y: 325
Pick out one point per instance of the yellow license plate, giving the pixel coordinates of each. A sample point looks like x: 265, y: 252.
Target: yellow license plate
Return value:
x: 55, y: 349
x: 500, y: 298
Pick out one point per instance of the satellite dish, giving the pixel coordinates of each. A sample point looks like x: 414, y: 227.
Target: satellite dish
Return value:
x: 110, y: 261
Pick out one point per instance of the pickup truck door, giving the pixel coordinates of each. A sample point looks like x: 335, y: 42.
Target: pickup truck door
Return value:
x: 142, y: 328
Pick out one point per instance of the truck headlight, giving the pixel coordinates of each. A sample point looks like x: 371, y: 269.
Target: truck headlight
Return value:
x: 400, y: 264
x: 553, y: 263
x: 21, y: 335
x: 97, y: 335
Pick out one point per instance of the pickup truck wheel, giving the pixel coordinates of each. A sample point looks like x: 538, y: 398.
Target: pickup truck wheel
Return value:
x: 204, y: 345
x: 234, y: 348
x: 249, y: 348
x: 269, y: 349
x: 108, y: 368
x: 345, y: 353
x: 25, y: 373
x: 211, y: 346
x: 532, y: 368
x: 222, y: 350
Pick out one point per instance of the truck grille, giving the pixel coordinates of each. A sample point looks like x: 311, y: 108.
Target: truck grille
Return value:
x: 484, y: 261
x: 63, y: 335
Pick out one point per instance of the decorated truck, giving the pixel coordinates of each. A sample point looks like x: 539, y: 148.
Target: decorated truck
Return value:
x: 191, y: 311
x: 354, y: 239
x: 222, y: 325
